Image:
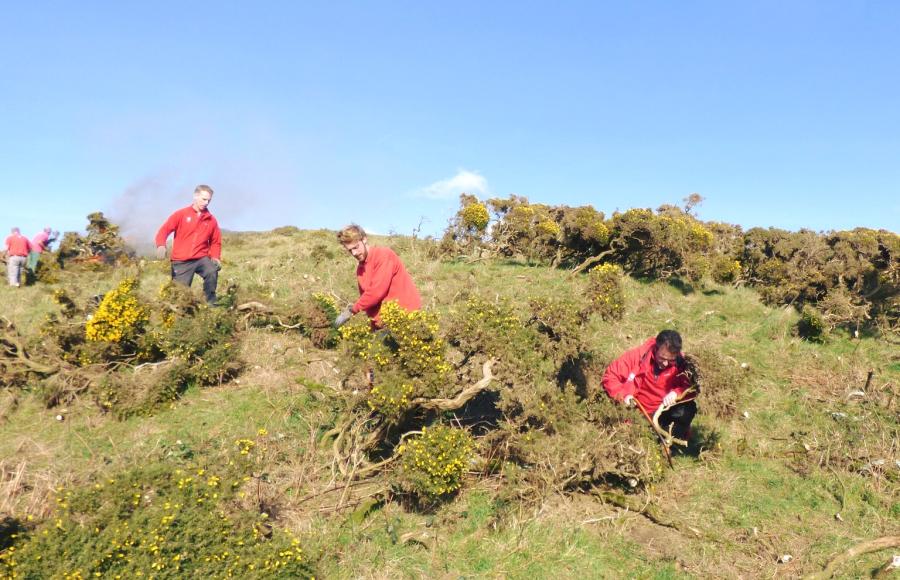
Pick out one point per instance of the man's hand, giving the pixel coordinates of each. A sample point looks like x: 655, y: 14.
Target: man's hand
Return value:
x: 629, y: 401
x: 218, y: 263
x: 160, y: 252
x: 669, y: 399
x: 343, y: 317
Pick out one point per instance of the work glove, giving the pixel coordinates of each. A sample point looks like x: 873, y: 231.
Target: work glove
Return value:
x: 160, y: 252
x: 629, y: 401
x: 218, y: 263
x: 669, y: 399
x: 343, y: 317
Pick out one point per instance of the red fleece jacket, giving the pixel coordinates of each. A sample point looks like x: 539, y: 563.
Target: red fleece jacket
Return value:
x: 382, y: 277
x: 632, y: 374
x: 17, y: 245
x: 196, y: 236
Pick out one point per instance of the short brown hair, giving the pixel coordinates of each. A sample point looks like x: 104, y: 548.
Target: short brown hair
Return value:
x: 350, y: 234
x: 201, y: 188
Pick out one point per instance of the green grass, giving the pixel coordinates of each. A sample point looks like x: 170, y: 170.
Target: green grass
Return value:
x: 754, y: 499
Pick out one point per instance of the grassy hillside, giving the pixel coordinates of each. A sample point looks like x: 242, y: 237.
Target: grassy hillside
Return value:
x: 805, y: 467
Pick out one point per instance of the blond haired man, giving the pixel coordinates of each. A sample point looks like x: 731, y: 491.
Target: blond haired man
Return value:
x: 380, y: 275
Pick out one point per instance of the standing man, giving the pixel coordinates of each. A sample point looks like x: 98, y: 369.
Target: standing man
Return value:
x: 16, y: 247
x: 380, y: 276
x: 197, y: 248
x: 40, y: 244
x: 652, y: 375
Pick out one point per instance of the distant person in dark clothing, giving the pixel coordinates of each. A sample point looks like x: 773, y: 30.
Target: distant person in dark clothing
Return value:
x: 197, y: 248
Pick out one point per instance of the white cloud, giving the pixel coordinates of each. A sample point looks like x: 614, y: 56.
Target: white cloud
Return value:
x: 463, y: 182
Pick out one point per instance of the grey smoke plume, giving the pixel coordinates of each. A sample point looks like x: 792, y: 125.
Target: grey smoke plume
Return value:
x: 143, y: 206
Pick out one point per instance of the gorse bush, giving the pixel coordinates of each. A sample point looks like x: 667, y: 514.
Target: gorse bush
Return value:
x: 859, y: 270
x: 101, y: 245
x: 605, y: 293
x: 120, y: 317
x: 811, y: 325
x: 433, y: 463
x: 164, y: 520
x: 132, y: 355
x: 414, y: 343
x: 475, y: 217
x: 480, y: 326
x: 391, y: 395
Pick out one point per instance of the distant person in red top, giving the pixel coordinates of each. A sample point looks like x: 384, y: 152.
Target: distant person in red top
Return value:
x: 197, y: 248
x: 653, y: 374
x: 16, y: 247
x: 380, y: 275
x: 40, y: 244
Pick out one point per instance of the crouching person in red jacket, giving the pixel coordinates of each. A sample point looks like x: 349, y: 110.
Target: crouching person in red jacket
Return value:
x: 653, y: 375
x: 197, y: 248
x: 380, y: 275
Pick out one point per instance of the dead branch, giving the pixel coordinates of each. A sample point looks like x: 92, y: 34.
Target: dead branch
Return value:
x: 462, y: 398
x: 254, y: 307
x: 14, y: 348
x: 621, y: 501
x: 592, y: 260
x: 858, y: 550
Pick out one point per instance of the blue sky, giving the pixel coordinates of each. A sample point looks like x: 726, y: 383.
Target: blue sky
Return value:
x: 316, y: 114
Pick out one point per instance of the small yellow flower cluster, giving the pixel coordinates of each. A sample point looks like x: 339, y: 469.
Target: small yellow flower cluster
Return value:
x: 637, y: 214
x: 605, y: 291
x: 357, y: 334
x: 434, y: 463
x: 327, y: 303
x: 419, y: 350
x: 245, y: 445
x: 548, y: 227
x: 702, y: 237
x: 390, y: 399
x: 120, y: 315
x: 480, y: 314
x: 591, y: 225
x: 475, y: 216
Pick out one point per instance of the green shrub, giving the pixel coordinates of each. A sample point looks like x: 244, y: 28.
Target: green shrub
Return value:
x: 811, y: 325
x: 162, y: 520
x: 607, y: 298
x: 433, y: 463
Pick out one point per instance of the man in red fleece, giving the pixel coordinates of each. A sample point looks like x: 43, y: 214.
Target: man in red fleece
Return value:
x: 16, y: 247
x: 197, y: 248
x: 653, y: 374
x: 380, y: 276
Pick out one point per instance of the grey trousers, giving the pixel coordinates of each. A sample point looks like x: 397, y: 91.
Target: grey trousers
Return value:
x: 14, y: 266
x: 183, y: 273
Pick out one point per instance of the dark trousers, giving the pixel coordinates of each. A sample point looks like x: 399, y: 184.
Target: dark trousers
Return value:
x: 680, y: 417
x: 183, y: 273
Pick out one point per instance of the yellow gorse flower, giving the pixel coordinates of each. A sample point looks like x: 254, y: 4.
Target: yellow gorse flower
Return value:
x: 434, y: 462
x: 120, y: 316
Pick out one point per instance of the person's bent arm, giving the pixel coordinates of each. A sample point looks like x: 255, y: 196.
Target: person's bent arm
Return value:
x: 166, y: 230
x: 618, y: 380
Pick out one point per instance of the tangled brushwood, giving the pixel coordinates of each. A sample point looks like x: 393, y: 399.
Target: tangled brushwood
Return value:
x: 485, y: 391
x: 126, y: 353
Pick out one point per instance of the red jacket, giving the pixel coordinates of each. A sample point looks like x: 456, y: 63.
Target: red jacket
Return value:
x: 17, y: 245
x: 195, y: 236
x: 637, y: 365
x: 383, y: 277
